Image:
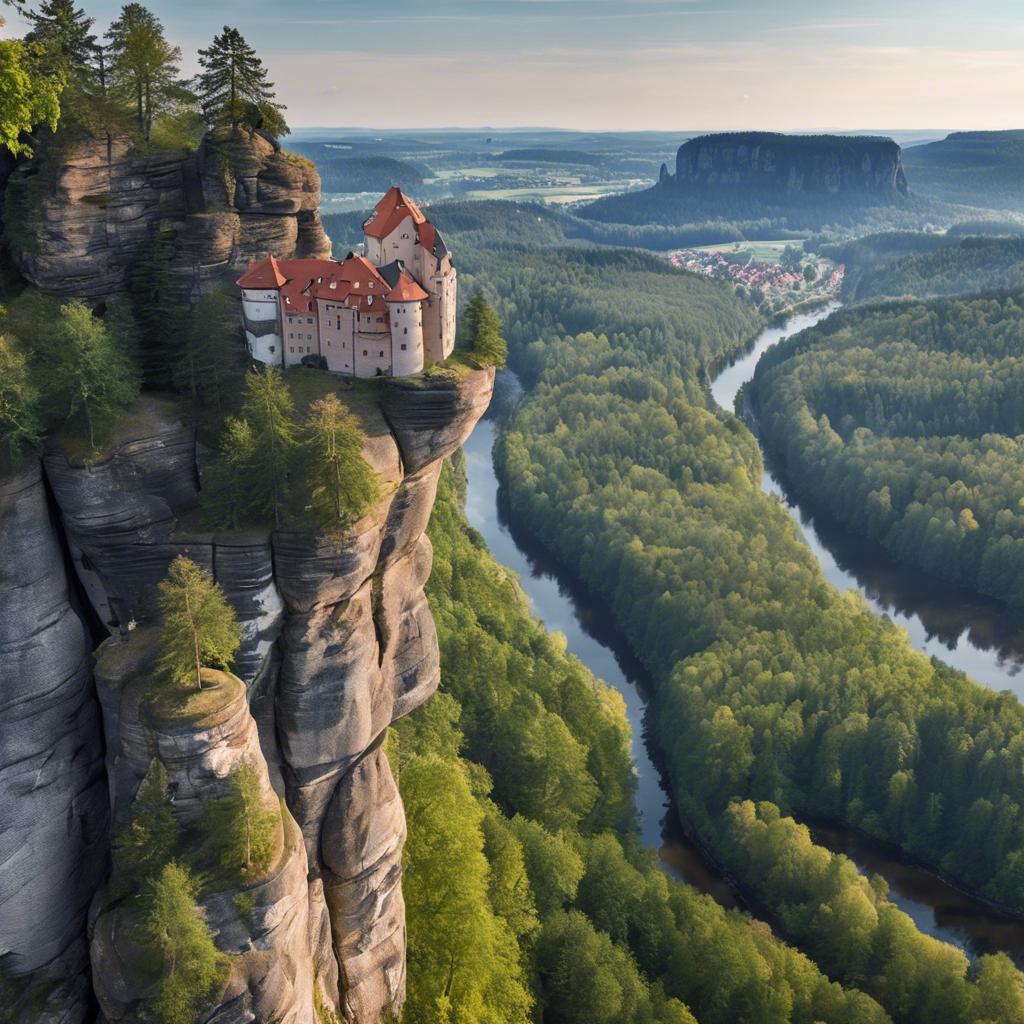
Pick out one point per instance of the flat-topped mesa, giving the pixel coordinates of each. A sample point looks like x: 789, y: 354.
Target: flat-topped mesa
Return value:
x: 790, y: 165
x: 338, y: 642
x: 388, y: 313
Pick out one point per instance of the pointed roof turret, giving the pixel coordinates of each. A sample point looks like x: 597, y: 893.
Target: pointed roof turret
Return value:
x: 390, y: 212
x: 264, y: 273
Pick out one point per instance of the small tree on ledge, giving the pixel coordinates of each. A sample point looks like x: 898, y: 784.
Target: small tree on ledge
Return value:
x: 483, y: 328
x: 199, y: 628
x: 233, y: 86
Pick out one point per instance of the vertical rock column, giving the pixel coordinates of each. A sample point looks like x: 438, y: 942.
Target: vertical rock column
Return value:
x: 53, y: 802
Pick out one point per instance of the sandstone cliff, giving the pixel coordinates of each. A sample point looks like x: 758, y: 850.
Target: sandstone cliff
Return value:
x: 338, y: 642
x: 791, y: 165
x: 75, y: 226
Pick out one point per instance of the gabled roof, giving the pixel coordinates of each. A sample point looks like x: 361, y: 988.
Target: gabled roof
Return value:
x: 390, y: 212
x: 262, y: 274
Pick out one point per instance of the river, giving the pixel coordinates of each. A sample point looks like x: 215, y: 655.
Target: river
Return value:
x: 937, y: 909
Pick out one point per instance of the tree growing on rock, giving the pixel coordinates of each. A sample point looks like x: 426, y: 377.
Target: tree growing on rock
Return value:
x: 175, y: 927
x: 64, y: 34
x: 199, y: 628
x: 269, y: 411
x: 93, y: 374
x: 233, y: 86
x: 149, y: 840
x: 243, y: 828
x: 342, y: 485
x: 144, y: 65
x: 483, y: 330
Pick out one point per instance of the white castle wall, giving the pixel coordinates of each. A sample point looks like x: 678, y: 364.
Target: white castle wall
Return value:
x: 406, y: 337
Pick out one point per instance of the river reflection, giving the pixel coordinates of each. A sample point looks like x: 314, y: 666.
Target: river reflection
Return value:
x: 976, y: 635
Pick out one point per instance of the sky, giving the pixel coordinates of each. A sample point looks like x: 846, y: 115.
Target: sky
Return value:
x: 672, y: 65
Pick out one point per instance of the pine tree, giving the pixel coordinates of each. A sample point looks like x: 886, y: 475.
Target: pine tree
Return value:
x: 268, y: 410
x: 342, y: 485
x: 207, y: 355
x: 157, y: 309
x: 483, y: 327
x: 175, y: 927
x: 199, y: 627
x: 242, y: 826
x: 233, y: 86
x: 63, y: 33
x: 144, y: 66
x: 227, y: 500
x: 148, y: 842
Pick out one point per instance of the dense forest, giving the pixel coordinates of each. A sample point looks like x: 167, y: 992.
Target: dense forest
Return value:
x: 907, y: 423
x: 522, y: 868
x: 653, y: 501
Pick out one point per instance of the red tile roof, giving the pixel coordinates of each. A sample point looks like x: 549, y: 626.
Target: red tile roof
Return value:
x: 390, y: 212
x: 406, y: 289
x: 262, y: 274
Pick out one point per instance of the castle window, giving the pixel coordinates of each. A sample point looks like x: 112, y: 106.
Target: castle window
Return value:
x: 291, y: 348
x: 309, y: 319
x: 382, y: 355
x: 273, y: 349
x: 403, y: 346
x: 405, y: 330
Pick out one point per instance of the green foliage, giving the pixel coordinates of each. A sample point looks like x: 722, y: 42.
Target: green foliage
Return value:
x: 340, y: 482
x: 846, y: 923
x: 205, y: 355
x: 243, y: 828
x: 906, y: 422
x: 464, y: 954
x: 20, y: 422
x: 482, y: 329
x: 199, y: 627
x: 233, y: 86
x: 144, y: 66
x: 175, y: 928
x: 64, y: 35
x: 149, y: 840
x: 93, y: 373
x: 28, y: 95
x: 608, y: 917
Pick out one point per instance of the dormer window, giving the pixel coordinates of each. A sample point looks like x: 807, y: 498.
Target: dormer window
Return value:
x: 333, y: 285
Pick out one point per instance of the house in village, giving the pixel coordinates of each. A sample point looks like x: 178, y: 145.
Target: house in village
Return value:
x: 388, y: 312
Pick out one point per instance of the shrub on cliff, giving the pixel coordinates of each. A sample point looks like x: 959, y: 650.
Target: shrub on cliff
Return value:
x: 199, y: 628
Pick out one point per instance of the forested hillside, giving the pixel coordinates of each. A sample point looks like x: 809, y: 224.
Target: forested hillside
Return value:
x: 653, y: 502
x: 907, y: 423
x: 525, y: 884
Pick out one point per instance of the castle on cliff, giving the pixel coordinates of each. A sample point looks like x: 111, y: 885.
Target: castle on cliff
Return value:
x: 388, y: 313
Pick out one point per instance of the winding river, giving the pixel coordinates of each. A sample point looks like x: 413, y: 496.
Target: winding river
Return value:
x: 963, y: 631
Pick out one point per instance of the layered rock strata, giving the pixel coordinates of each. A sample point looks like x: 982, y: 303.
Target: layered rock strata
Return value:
x: 236, y: 198
x: 338, y: 642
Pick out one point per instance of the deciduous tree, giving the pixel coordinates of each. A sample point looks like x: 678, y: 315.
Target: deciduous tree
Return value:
x: 20, y: 422
x: 199, y: 627
x: 28, y: 97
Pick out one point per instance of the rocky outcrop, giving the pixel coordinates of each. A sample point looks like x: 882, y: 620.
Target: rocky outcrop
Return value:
x: 76, y: 225
x: 53, y: 801
x: 261, y: 924
x: 790, y: 165
x: 338, y: 643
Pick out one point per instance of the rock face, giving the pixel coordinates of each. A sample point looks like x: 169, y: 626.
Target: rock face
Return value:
x: 235, y: 198
x: 791, y: 165
x: 338, y: 643
x: 53, y: 801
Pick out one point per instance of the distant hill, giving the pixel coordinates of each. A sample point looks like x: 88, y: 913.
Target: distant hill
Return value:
x: 340, y: 171
x: 805, y: 180
x: 973, y: 168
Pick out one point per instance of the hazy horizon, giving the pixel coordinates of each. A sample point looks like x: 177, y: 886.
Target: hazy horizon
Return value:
x: 603, y: 65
